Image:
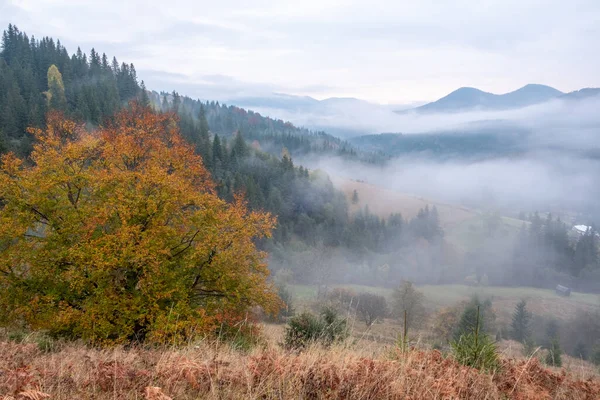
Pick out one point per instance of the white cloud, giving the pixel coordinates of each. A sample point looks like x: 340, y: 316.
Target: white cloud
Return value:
x: 382, y: 51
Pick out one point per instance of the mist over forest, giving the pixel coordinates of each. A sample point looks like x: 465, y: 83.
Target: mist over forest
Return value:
x: 210, y: 219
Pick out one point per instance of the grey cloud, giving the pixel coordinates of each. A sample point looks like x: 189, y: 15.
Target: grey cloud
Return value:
x: 382, y: 51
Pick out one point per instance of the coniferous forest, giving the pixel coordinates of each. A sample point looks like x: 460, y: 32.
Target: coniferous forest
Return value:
x: 40, y: 74
x: 248, y: 153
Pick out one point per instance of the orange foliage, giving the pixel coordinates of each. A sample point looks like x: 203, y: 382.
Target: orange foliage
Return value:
x: 118, y: 235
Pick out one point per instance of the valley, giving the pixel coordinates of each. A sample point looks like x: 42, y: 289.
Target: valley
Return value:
x: 237, y: 241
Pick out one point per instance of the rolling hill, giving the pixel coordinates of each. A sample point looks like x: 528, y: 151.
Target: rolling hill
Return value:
x: 468, y: 98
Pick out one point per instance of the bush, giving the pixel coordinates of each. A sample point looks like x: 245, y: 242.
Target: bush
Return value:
x: 470, y: 320
x: 529, y: 347
x: 553, y: 357
x: 595, y: 358
x: 240, y: 335
x: 370, y: 307
x: 307, y: 328
x: 445, y: 322
x: 580, y: 351
x: 477, y: 351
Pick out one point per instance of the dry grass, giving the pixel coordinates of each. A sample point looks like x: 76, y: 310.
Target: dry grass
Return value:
x: 214, y: 371
x: 575, y: 367
x: 383, y: 202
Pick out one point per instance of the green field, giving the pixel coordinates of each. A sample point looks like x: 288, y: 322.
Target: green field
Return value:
x: 541, y: 301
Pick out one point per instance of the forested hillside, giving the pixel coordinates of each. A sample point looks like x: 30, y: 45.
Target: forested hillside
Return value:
x: 244, y: 151
x: 265, y: 133
x: 316, y: 238
x: 472, y: 143
x: 38, y: 74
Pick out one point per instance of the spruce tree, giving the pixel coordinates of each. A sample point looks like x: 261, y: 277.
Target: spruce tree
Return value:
x: 216, y: 153
x: 204, y: 139
x: 520, y: 330
x: 144, y: 99
x: 354, y: 197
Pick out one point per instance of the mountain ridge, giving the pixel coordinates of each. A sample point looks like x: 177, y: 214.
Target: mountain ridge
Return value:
x: 469, y: 98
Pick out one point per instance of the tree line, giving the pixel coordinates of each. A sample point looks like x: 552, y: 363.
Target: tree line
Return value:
x: 37, y: 75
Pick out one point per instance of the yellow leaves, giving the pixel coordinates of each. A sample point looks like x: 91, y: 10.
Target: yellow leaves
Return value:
x: 135, y: 243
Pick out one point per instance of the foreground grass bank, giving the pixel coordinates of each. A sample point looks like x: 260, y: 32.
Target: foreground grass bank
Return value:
x: 215, y: 371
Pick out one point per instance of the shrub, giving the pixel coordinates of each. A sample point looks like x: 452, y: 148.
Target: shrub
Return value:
x: 595, y: 358
x: 240, y: 335
x: 370, y: 307
x: 552, y: 332
x: 529, y: 347
x: 475, y: 349
x: 407, y: 298
x: 580, y: 351
x: 335, y: 329
x: 17, y: 336
x: 470, y: 321
x: 444, y: 325
x: 307, y: 328
x: 553, y: 357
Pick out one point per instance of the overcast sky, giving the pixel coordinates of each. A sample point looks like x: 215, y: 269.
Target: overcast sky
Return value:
x: 383, y: 51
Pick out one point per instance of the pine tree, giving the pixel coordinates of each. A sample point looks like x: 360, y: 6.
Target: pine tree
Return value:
x: 176, y: 102
x: 217, y: 153
x: 354, y: 197
x: 144, y: 99
x: 520, y: 330
x: 165, y: 103
x: 239, y: 146
x: 204, y: 139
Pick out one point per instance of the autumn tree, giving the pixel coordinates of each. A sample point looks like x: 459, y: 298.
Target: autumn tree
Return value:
x: 117, y: 235
x: 56, y: 89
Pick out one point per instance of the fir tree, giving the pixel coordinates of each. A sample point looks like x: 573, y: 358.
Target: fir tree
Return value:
x: 520, y: 330
x: 354, y: 197
x: 144, y: 99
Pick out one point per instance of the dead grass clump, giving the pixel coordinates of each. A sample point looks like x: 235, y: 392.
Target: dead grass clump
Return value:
x: 213, y: 371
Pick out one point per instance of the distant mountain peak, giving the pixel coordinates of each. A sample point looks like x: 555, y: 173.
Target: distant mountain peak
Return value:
x: 470, y: 98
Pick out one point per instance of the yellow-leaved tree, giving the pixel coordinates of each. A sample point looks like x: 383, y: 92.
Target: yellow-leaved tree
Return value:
x: 117, y: 235
x: 56, y: 90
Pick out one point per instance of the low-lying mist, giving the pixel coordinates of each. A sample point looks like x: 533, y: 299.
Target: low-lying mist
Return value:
x: 553, y: 164
x: 545, y: 181
x: 348, y: 118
